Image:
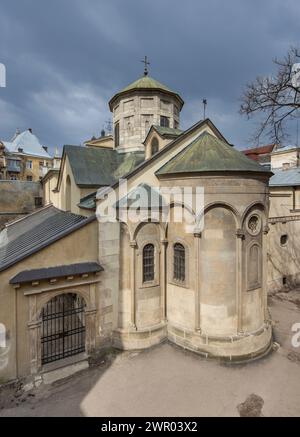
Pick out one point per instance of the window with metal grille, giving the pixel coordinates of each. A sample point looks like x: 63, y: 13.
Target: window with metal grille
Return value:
x: 179, y: 262
x: 148, y: 263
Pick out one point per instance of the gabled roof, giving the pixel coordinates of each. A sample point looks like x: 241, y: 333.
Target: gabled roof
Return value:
x: 144, y: 164
x: 209, y: 154
x: 29, y: 143
x: 145, y: 83
x: 96, y: 167
x: 23, y: 237
x: 165, y: 132
x: 282, y: 178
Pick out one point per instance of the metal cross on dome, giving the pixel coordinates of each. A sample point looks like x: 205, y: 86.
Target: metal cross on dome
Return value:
x: 146, y: 63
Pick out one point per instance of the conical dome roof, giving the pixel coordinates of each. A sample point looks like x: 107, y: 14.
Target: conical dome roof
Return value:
x: 210, y: 154
x: 145, y: 83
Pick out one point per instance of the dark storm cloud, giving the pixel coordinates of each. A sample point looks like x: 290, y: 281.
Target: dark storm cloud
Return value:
x: 66, y: 58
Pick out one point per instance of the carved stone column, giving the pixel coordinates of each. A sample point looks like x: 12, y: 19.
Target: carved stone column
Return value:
x: 197, y: 236
x: 163, y: 285
x: 265, y: 272
x: 34, y: 327
x: 133, y: 246
x: 239, y: 279
x: 35, y: 345
x: 90, y: 330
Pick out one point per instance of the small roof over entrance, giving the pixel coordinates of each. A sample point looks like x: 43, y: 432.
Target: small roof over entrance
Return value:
x: 56, y: 272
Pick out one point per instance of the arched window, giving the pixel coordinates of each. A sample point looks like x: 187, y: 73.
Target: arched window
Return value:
x: 254, y: 267
x: 148, y: 263
x: 68, y: 194
x: 154, y: 146
x: 117, y: 135
x: 179, y: 262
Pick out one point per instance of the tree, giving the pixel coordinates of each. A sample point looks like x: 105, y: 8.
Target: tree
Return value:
x: 275, y: 98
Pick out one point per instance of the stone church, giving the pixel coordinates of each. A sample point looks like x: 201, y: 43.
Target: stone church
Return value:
x: 73, y: 284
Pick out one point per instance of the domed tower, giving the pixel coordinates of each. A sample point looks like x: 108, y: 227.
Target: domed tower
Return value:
x: 140, y: 105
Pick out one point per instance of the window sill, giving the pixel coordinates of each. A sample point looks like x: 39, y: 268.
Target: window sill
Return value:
x: 149, y: 284
x: 183, y: 284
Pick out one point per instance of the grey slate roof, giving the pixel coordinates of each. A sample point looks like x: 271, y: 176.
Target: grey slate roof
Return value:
x: 32, y: 233
x: 56, y: 272
x: 95, y: 166
x: 281, y: 178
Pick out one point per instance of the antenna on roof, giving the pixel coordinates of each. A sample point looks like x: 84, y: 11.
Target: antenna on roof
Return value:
x: 146, y: 63
x: 204, y: 101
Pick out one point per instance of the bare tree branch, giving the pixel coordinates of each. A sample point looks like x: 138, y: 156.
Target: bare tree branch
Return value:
x: 276, y: 98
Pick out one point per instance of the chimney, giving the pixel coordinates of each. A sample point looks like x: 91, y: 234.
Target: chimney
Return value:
x: 103, y: 133
x: 30, y: 130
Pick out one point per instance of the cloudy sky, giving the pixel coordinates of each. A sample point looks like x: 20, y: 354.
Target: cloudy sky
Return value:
x: 66, y: 58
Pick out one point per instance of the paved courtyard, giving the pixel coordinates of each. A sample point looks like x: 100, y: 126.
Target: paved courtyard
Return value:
x: 166, y: 381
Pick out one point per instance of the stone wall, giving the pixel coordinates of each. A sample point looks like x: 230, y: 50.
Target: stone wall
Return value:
x: 17, y: 198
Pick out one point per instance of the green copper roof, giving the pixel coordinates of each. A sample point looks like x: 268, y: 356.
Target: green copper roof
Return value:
x: 146, y: 83
x: 95, y: 166
x: 210, y: 154
x: 169, y: 131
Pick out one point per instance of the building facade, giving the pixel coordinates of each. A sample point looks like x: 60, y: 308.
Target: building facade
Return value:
x: 25, y: 158
x: 199, y: 282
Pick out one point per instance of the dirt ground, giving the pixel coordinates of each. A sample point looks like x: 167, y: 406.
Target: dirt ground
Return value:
x: 167, y: 381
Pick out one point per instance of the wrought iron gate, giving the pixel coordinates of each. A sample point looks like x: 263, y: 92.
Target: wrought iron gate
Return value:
x: 63, y: 327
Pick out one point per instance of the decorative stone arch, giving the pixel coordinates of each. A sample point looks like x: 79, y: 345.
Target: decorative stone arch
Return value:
x: 183, y: 206
x: 224, y: 205
x: 254, y: 206
x: 39, y: 299
x: 138, y: 226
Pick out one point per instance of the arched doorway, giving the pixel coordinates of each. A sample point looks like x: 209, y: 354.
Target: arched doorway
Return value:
x: 63, y: 327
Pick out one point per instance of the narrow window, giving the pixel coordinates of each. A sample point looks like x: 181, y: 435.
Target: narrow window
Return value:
x: 254, y: 267
x: 164, y: 121
x: 148, y: 263
x: 117, y: 135
x: 29, y: 165
x: 38, y: 202
x: 154, y: 146
x: 179, y: 262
